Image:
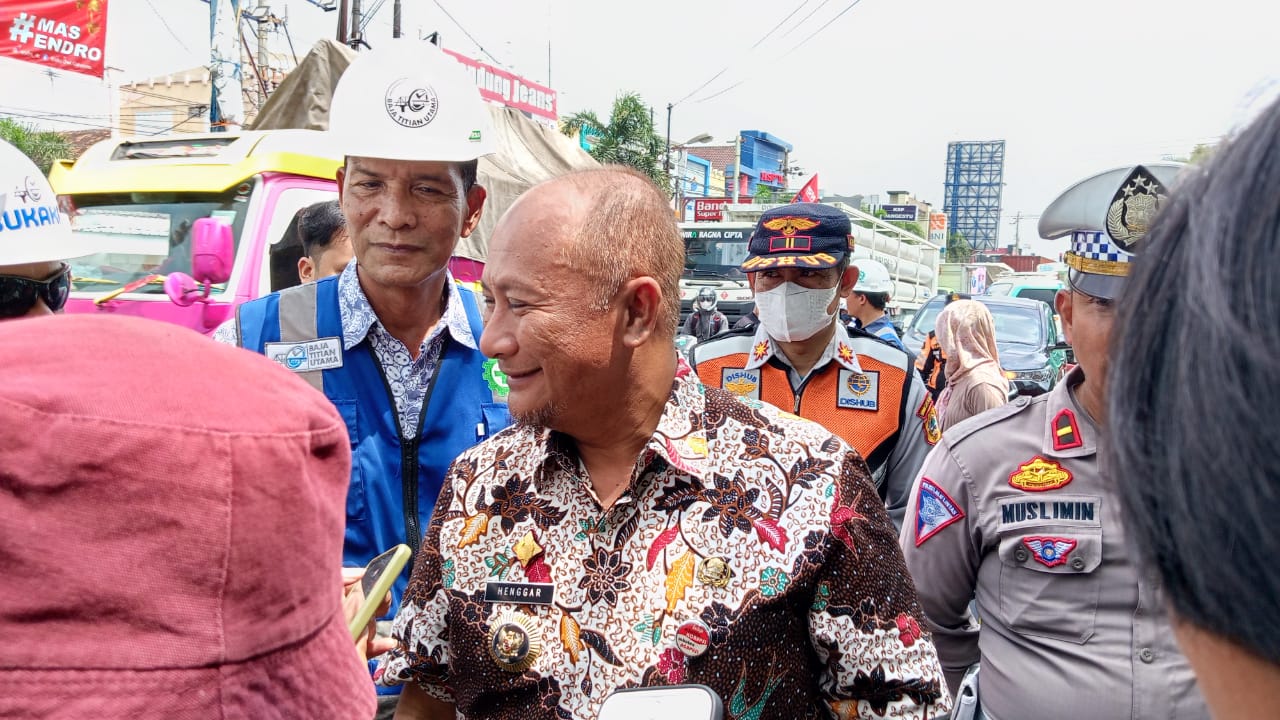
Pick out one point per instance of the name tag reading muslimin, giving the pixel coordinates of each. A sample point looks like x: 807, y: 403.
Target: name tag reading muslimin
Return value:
x: 520, y: 593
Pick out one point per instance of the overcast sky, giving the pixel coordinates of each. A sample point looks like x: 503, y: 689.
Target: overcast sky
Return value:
x: 870, y: 101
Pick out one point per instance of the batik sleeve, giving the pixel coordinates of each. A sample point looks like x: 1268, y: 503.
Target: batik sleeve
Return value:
x: 865, y: 622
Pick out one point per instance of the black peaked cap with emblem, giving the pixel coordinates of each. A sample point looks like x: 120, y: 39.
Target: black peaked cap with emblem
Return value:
x: 1106, y: 217
x: 801, y: 235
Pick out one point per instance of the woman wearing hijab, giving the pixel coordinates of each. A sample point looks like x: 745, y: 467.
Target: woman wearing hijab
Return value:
x: 975, y: 383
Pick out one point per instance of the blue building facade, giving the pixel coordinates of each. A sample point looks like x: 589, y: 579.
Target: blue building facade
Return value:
x: 765, y: 160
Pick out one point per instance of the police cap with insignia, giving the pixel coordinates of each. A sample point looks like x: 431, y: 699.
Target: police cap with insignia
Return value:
x: 1106, y: 217
x: 801, y: 235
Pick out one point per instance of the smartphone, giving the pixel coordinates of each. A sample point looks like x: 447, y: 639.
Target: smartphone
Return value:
x: 379, y: 575
x: 688, y: 702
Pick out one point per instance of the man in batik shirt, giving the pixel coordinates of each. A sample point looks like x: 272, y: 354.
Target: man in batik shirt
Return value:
x: 638, y: 528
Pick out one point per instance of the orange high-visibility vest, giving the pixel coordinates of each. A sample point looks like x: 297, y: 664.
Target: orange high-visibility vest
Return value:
x: 867, y: 410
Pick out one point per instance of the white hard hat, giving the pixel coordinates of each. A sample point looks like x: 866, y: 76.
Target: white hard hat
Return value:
x: 32, y: 229
x: 408, y: 100
x: 873, y: 277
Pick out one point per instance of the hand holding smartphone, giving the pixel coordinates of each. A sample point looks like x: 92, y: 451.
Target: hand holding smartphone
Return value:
x: 379, y: 575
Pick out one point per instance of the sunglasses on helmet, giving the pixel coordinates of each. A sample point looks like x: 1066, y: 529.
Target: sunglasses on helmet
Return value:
x: 19, y: 294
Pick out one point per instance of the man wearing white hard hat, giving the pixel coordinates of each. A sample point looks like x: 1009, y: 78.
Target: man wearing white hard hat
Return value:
x: 866, y: 303
x: 393, y: 340
x: 35, y: 240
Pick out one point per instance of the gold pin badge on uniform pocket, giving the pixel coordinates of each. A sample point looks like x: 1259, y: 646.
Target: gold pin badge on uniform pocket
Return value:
x: 513, y: 642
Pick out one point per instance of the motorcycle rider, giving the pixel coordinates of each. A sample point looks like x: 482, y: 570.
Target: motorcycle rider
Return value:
x: 802, y: 359
x: 705, y: 321
x: 1012, y: 508
x: 35, y: 241
x: 867, y: 301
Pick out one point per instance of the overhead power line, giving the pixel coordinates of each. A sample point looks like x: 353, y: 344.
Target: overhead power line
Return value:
x: 725, y: 69
x: 797, y: 46
x: 166, y: 26
x: 470, y: 37
x: 828, y: 24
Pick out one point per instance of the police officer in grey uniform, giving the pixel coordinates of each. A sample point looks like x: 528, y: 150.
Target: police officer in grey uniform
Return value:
x: 1012, y: 508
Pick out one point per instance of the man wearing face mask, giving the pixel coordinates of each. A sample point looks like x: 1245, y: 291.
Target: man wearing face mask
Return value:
x: 803, y: 360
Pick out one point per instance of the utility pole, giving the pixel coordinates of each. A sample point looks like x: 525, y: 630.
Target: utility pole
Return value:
x: 344, y: 13
x: 666, y: 164
x: 395, y: 19
x: 263, y: 11
x: 355, y: 38
x: 1017, y: 227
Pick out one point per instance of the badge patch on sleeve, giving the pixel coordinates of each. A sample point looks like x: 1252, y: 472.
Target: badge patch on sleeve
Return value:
x: 743, y: 383
x: 321, y: 354
x: 1039, y: 475
x: 934, y: 510
x: 1049, y: 551
x: 860, y: 391
x: 929, y: 414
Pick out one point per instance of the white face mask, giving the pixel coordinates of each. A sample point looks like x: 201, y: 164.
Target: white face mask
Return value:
x: 791, y: 313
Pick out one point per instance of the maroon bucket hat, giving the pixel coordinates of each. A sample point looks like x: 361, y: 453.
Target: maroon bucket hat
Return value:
x: 171, y: 522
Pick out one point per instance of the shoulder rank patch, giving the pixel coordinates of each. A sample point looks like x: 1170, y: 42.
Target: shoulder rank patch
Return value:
x: 845, y: 352
x: 934, y: 510
x: 1039, y: 475
x: 1049, y: 551
x: 760, y: 351
x: 927, y: 413
x: 1066, y: 434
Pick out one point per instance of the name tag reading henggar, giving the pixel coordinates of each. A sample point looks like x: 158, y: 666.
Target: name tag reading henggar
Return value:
x: 321, y: 354
x: 520, y: 593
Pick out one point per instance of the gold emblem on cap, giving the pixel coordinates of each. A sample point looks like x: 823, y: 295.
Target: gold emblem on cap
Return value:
x: 1133, y: 208
x: 514, y: 643
x: 790, y: 225
x: 527, y: 548
x: 715, y: 572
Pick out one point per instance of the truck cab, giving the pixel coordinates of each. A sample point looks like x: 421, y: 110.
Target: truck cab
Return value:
x: 139, y: 199
x: 713, y: 253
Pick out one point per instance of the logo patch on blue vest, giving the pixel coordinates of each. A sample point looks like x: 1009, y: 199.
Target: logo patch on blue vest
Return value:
x: 934, y: 510
x: 322, y: 354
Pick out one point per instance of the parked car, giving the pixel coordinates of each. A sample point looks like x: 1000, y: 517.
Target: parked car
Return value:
x: 1032, y: 353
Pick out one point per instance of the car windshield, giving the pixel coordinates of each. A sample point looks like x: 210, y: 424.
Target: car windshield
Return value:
x: 1044, y: 295
x: 1016, y: 325
x: 143, y: 237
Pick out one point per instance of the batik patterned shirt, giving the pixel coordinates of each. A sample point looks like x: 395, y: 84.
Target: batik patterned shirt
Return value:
x: 807, y: 606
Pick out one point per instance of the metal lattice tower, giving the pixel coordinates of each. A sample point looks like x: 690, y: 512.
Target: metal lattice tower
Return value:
x: 973, y: 186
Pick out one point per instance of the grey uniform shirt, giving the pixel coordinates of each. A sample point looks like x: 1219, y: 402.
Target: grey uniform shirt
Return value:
x: 1011, y: 507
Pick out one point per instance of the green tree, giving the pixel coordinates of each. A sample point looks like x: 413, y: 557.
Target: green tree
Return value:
x: 42, y: 146
x: 958, y: 249
x: 628, y: 138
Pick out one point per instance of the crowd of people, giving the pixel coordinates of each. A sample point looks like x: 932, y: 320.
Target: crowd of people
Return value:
x: 801, y: 517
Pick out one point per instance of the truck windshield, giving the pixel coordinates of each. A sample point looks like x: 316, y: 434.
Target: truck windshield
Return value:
x: 140, y: 235
x: 716, y: 254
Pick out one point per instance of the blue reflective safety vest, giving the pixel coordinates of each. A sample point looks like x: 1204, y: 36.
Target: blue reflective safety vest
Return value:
x: 389, y: 474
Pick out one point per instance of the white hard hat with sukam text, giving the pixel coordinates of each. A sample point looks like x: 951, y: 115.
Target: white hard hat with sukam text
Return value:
x: 32, y: 229
x: 408, y: 100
